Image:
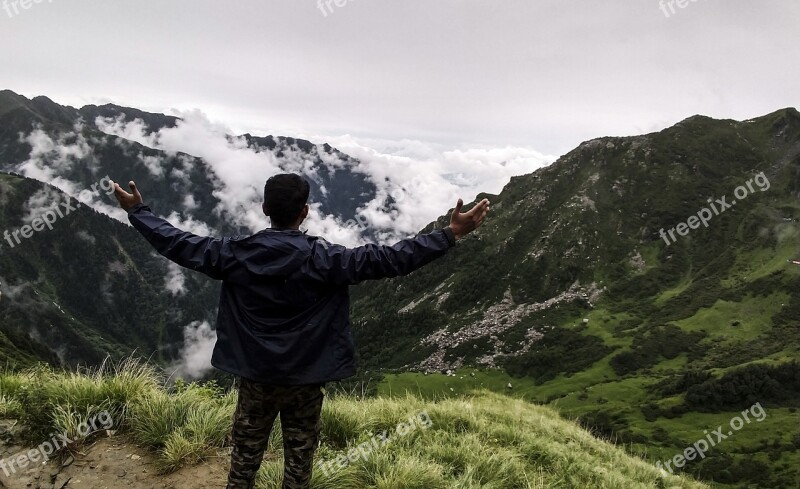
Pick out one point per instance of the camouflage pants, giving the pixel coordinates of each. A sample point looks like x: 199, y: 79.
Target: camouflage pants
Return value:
x: 258, y: 406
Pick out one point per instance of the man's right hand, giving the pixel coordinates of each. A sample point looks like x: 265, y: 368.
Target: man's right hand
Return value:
x: 464, y: 223
x: 127, y: 200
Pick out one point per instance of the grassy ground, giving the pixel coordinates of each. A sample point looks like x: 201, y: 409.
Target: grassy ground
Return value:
x: 479, y: 439
x: 581, y: 394
x: 752, y: 313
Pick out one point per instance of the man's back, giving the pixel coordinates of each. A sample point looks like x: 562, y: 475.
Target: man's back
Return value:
x: 279, y: 320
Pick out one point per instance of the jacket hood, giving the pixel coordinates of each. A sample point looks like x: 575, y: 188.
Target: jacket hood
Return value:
x: 272, y: 253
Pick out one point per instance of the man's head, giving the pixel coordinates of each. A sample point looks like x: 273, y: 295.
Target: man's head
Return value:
x: 286, y: 200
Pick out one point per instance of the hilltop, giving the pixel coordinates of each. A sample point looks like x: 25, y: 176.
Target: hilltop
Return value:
x: 483, y: 440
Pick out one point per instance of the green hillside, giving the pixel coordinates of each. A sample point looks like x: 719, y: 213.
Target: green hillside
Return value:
x: 570, y: 293
x: 482, y: 440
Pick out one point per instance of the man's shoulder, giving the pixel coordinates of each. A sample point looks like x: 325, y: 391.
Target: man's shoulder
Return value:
x: 278, y: 239
x: 319, y: 240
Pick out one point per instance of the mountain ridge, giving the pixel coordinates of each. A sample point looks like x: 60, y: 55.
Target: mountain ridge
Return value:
x: 695, y: 314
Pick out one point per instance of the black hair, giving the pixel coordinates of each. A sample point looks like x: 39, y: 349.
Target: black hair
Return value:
x: 285, y: 195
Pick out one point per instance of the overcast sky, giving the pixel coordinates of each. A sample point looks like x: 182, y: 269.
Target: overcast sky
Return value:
x: 538, y: 74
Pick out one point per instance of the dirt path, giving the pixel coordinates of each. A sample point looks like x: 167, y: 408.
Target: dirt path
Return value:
x: 109, y: 462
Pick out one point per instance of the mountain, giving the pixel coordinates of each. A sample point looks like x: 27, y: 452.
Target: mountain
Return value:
x: 572, y: 288
x: 39, y: 137
x: 85, y: 289
x: 90, y: 286
x: 586, y: 231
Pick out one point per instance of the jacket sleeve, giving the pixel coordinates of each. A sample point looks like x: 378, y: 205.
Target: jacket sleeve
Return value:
x: 202, y: 254
x: 348, y: 266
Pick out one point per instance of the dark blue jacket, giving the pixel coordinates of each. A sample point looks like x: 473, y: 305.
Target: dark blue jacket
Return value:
x: 284, y: 309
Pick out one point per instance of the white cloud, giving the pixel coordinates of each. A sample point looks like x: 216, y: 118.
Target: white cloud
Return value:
x: 189, y: 202
x: 175, y: 281
x: 111, y: 210
x: 42, y: 201
x: 416, y: 182
x: 424, y: 180
x: 240, y: 171
x: 189, y: 224
x: 195, y: 356
x: 153, y: 164
x: 85, y: 236
x: 51, y: 157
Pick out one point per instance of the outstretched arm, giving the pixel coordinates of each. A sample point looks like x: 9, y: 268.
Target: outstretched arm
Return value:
x: 202, y: 254
x: 341, y: 265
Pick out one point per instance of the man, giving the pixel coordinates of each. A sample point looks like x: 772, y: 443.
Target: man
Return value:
x: 283, y: 325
